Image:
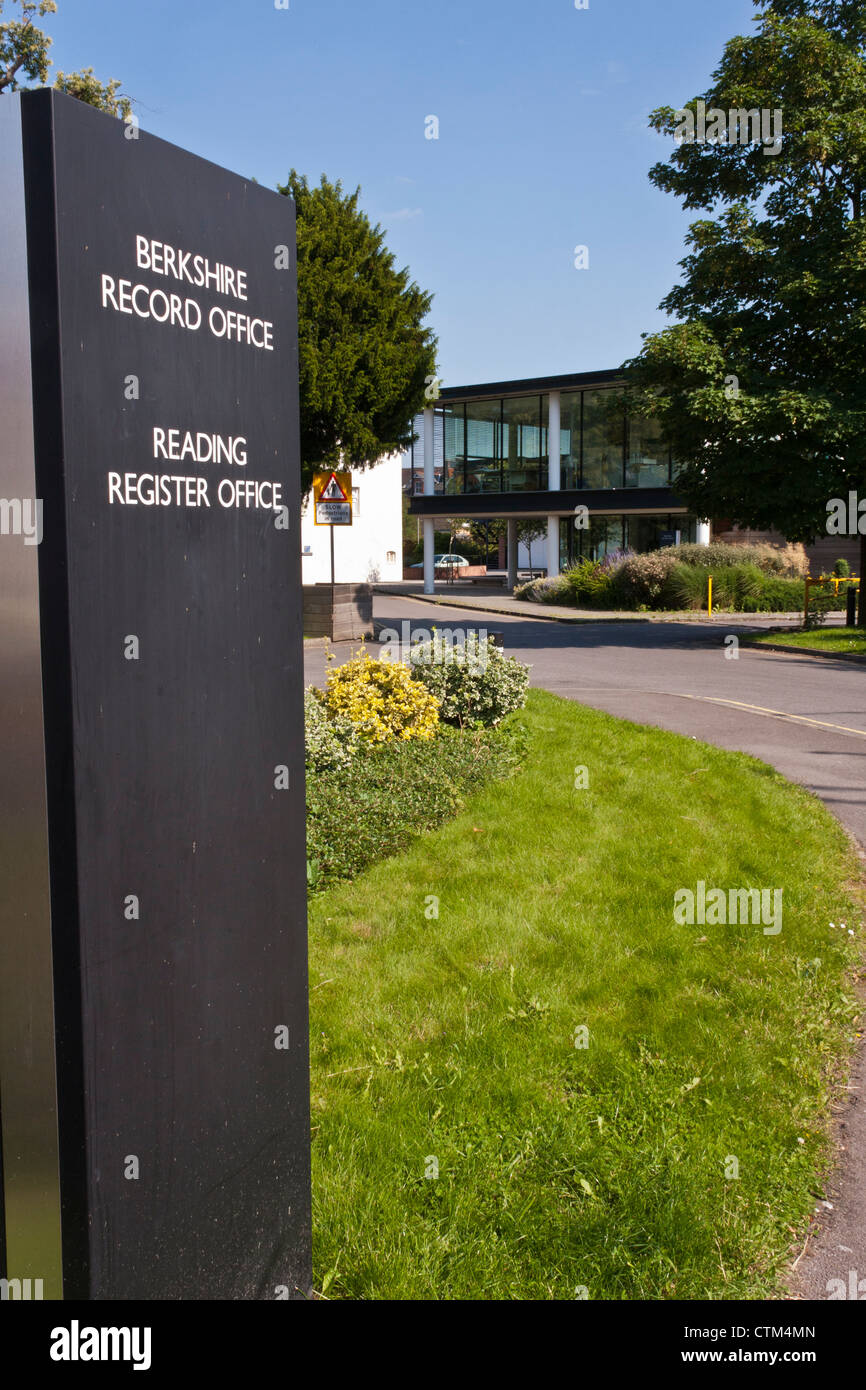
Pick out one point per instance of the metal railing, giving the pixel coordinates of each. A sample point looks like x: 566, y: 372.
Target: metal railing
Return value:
x: 849, y: 580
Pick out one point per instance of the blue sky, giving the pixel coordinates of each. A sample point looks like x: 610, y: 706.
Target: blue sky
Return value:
x: 543, y: 142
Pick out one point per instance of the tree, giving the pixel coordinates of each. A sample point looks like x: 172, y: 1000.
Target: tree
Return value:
x: 529, y: 531
x: 86, y: 87
x: 759, y: 385
x: 486, y: 533
x: 366, y: 359
x: 24, y: 52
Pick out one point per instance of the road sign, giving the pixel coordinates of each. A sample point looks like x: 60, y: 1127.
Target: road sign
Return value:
x: 332, y: 495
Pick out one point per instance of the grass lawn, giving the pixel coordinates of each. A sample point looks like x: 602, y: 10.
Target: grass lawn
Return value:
x: 830, y: 639
x: 451, y: 1041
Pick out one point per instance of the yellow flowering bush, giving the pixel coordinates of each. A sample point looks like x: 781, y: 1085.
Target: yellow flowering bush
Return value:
x: 381, y: 700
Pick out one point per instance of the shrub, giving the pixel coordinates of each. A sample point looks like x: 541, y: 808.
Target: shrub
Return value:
x: 788, y: 560
x: 733, y: 585
x: 641, y: 579
x: 777, y: 595
x: 748, y: 578
x: 381, y: 700
x: 589, y: 583
x: 391, y: 792
x: 740, y: 589
x: 823, y: 600
x: 820, y: 604
x: 553, y: 590
x: 841, y: 568
x: 473, y: 682
x: 686, y: 586
x: 330, y: 741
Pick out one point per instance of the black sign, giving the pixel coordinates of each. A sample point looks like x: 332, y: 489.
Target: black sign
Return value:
x: 153, y: 683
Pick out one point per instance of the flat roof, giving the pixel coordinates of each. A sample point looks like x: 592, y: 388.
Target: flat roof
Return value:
x: 531, y: 385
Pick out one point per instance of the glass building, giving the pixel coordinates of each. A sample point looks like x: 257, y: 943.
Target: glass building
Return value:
x: 568, y: 449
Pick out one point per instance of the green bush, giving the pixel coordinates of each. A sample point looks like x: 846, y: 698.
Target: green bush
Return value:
x: 778, y: 595
x: 841, y: 568
x: 473, y: 681
x: 641, y: 580
x: 788, y: 560
x: 737, y: 589
x: 552, y: 590
x: 330, y: 741
x: 589, y: 584
x: 372, y: 806
x: 686, y: 586
x: 733, y: 586
x: 751, y: 578
x: 823, y: 600
x: 381, y: 700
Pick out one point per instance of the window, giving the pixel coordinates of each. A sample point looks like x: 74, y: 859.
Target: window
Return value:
x: 356, y: 502
x: 640, y: 532
x: 647, y: 460
x: 569, y: 448
x: 454, y: 436
x: 391, y: 557
x: 503, y: 445
x: 524, y: 459
x: 483, y: 471
x: 603, y: 438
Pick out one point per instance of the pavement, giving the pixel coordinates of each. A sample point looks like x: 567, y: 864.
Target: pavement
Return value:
x: 492, y: 599
x: 804, y: 716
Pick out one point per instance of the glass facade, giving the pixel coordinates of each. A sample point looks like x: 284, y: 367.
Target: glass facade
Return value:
x: 482, y: 449
x: 571, y: 416
x: 495, y: 446
x: 604, y: 423
x: 647, y: 460
x: 501, y: 445
x: 524, y: 444
x: 610, y: 532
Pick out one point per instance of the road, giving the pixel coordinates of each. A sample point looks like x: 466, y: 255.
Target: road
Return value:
x: 804, y: 715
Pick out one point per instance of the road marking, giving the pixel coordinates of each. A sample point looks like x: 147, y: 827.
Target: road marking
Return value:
x: 777, y: 714
x: 734, y: 704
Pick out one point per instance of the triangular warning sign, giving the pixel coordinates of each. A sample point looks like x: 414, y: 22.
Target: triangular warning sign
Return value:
x: 332, y: 491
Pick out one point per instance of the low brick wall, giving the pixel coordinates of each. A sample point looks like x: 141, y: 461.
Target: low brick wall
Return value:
x: 344, y: 613
x: 458, y: 572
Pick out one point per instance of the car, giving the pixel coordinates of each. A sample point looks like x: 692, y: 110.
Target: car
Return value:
x: 448, y: 561
x: 443, y: 562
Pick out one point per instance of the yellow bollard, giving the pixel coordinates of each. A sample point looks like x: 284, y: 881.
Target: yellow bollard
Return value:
x: 710, y: 598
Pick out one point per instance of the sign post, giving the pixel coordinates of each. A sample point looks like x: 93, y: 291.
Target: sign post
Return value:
x: 153, y: 1019
x: 332, y: 499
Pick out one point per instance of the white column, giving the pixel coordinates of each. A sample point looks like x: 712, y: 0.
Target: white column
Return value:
x: 552, y: 546
x: 702, y: 535
x: 429, y: 489
x: 429, y: 548
x: 512, y: 552
x: 554, y: 456
x: 554, y: 443
x: 429, y: 470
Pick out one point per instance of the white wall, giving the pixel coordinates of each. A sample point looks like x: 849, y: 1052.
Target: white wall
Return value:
x: 360, y: 550
x: 539, y: 554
